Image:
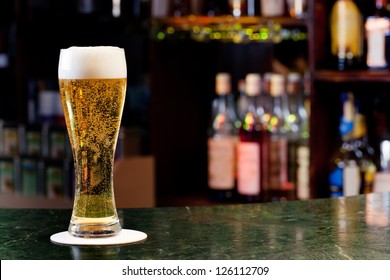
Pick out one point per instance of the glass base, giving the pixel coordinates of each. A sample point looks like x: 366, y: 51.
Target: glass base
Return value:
x: 94, y: 230
x: 125, y: 236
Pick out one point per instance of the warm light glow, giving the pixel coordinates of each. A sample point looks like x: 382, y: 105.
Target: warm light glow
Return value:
x: 170, y: 30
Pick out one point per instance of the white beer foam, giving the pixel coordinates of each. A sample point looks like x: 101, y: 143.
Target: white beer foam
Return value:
x: 101, y: 62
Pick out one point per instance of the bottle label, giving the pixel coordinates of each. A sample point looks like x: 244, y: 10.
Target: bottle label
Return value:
x: 346, y: 126
x: 272, y: 8
x: 33, y: 143
x: 351, y: 178
x: 29, y: 177
x: 278, y: 179
x: 10, y: 144
x: 345, y: 181
x: 336, y: 182
x: 221, y: 163
x: 7, y: 176
x: 303, y: 174
x: 248, y: 154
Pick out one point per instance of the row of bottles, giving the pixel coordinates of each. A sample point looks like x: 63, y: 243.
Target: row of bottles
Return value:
x: 359, y: 41
x: 258, y: 143
x: 35, y: 160
x: 236, y: 8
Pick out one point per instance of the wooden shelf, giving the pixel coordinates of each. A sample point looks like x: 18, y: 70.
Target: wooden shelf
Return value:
x: 352, y: 76
x: 190, y: 21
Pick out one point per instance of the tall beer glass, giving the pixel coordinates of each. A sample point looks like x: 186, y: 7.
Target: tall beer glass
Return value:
x: 92, y: 82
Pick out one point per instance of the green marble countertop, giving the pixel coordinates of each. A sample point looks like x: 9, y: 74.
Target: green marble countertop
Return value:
x: 342, y: 228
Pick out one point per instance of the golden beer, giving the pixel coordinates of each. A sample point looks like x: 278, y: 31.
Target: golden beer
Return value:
x: 93, y: 108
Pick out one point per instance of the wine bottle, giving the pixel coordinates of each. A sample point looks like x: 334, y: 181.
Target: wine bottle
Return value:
x: 346, y: 30
x: 344, y: 176
x: 364, y: 151
x: 222, y: 141
x: 249, y: 148
x: 279, y: 187
x: 298, y: 136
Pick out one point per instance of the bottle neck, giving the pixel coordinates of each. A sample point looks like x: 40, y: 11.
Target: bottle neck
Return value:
x: 277, y: 121
x: 252, y: 116
x: 252, y: 104
x: 225, y: 120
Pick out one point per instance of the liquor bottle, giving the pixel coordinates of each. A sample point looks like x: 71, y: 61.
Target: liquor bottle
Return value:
x: 249, y: 173
x: 279, y: 187
x: 377, y: 35
x: 222, y: 141
x: 382, y: 134
x: 293, y: 88
x: 298, y: 136
x: 384, y: 152
x: 364, y: 152
x: 303, y: 150
x: 344, y: 176
x: 346, y: 30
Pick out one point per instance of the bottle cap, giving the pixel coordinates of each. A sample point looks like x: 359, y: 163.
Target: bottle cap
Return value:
x: 253, y: 84
x: 222, y: 83
x: 277, y: 85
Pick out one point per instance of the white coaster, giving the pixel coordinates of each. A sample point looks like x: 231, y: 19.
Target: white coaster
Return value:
x: 126, y: 236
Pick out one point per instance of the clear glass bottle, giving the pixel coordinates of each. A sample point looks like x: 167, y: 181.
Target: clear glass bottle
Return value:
x: 364, y: 152
x: 344, y: 176
x: 298, y: 136
x: 222, y: 141
x: 303, y: 149
x: 346, y: 29
x: 279, y: 187
x: 382, y: 134
x: 249, y: 150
